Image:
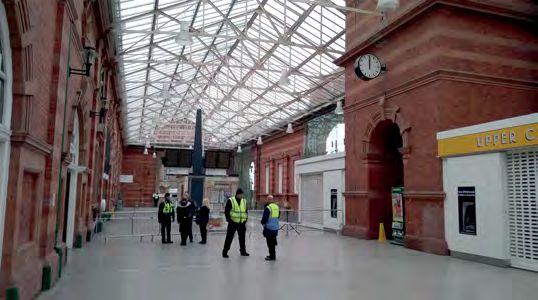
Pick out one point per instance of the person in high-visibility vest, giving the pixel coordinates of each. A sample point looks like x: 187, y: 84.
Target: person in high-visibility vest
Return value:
x: 270, y: 222
x: 165, y: 216
x: 236, y: 215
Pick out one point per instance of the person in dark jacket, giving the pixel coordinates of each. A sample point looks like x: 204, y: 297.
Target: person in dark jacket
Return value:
x: 236, y: 214
x: 155, y: 198
x: 165, y: 215
x: 185, y: 212
x: 270, y: 222
x: 202, y: 218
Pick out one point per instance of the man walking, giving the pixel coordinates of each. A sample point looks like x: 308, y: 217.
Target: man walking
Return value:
x: 165, y: 216
x: 236, y: 214
x: 270, y: 222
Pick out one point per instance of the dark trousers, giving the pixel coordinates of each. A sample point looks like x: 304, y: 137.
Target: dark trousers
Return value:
x: 185, y: 229
x: 155, y: 202
x: 230, y: 232
x: 203, y: 231
x: 271, y: 244
x: 166, y: 226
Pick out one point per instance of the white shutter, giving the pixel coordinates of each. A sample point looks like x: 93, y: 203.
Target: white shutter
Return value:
x: 312, y: 200
x: 522, y: 168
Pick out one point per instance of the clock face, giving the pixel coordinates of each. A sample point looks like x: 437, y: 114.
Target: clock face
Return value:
x: 369, y: 66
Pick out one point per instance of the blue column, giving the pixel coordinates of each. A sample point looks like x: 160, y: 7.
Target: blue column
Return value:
x: 197, y: 177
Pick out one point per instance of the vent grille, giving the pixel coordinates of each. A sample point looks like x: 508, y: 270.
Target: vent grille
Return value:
x: 522, y: 169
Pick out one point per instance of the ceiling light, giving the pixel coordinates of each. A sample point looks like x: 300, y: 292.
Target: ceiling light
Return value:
x: 239, y: 149
x: 284, y: 78
x: 290, y: 128
x: 184, y: 39
x: 386, y: 5
x: 339, y: 110
x: 145, y: 151
x: 259, y: 142
x: 147, y: 144
x: 154, y: 154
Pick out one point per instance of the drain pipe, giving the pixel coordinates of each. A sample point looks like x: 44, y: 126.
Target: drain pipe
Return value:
x: 59, y: 191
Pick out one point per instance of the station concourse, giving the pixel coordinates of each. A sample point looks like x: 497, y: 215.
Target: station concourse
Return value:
x: 391, y: 144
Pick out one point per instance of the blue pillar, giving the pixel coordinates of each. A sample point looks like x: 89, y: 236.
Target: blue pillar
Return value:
x: 197, y: 177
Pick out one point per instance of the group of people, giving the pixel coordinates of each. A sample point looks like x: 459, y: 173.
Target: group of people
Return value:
x: 184, y: 213
x: 236, y: 214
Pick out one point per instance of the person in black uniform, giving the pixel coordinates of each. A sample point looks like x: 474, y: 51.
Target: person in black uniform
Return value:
x: 165, y: 216
x: 202, y: 218
x: 155, y: 199
x: 185, y: 213
x: 236, y: 214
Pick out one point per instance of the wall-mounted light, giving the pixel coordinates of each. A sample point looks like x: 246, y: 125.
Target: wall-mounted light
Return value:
x: 89, y: 55
x: 239, y: 149
x: 154, y: 154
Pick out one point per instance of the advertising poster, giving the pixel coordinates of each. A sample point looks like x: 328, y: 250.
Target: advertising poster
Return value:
x: 398, y: 221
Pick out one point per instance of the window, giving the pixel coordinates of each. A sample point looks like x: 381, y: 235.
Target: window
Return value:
x: 267, y: 179
x: 467, y: 209
x: 335, y: 140
x: 280, y: 179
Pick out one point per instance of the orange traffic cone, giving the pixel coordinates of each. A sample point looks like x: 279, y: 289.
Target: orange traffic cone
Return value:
x: 382, y: 238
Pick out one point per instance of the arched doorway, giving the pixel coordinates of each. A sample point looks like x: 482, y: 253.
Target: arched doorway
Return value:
x: 5, y: 115
x: 385, y: 171
x: 70, y: 202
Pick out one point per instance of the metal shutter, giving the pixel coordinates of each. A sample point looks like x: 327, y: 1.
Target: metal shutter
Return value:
x: 312, y: 199
x: 522, y: 169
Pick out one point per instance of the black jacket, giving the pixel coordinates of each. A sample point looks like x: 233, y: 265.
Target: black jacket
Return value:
x: 165, y: 217
x: 203, y: 215
x: 185, y: 210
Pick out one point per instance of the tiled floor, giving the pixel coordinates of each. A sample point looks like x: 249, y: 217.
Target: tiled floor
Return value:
x: 315, y: 265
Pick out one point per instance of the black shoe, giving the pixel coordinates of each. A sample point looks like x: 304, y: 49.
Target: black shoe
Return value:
x: 269, y: 258
x: 244, y: 254
x: 164, y: 242
x: 225, y: 255
x: 183, y: 244
x: 191, y: 241
x: 202, y: 243
x: 170, y: 242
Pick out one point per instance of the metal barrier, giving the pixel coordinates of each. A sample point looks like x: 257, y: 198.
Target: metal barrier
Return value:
x: 144, y: 224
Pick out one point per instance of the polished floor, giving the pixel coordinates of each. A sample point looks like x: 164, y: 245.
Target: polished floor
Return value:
x: 314, y: 265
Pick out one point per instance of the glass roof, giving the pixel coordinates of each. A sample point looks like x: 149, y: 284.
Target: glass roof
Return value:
x: 252, y: 65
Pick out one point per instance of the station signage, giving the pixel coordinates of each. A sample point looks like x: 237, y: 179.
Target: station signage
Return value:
x: 494, y: 140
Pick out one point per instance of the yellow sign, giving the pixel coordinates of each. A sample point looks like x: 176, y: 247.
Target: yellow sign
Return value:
x: 494, y: 140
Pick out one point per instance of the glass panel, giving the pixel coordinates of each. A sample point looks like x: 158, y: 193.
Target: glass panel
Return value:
x: 325, y: 135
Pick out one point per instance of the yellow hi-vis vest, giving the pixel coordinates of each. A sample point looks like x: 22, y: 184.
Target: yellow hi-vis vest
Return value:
x: 168, y: 208
x: 238, y: 213
x: 272, y: 222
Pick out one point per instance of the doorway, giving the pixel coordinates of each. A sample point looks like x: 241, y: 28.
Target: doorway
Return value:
x: 71, y: 184
x: 385, y: 171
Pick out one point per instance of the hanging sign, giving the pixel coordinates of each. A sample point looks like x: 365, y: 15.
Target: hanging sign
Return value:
x: 398, y: 221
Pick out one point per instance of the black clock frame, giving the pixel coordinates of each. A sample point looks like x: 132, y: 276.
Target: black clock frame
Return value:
x: 361, y: 75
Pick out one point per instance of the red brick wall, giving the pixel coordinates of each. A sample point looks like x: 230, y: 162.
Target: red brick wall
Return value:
x: 144, y: 170
x: 42, y: 33
x: 448, y: 67
x: 282, y: 149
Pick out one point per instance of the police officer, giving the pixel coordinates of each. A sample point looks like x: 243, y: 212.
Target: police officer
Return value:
x: 185, y: 212
x: 270, y: 220
x: 166, y: 217
x: 236, y: 214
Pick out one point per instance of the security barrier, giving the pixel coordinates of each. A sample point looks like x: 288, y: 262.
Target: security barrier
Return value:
x: 143, y: 224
